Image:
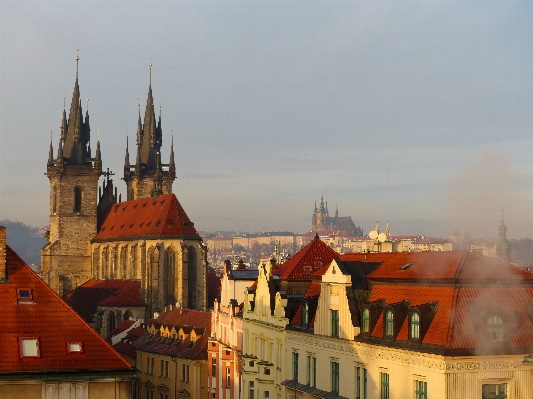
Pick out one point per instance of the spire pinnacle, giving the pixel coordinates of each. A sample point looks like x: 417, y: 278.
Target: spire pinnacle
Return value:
x: 51, y: 152
x: 127, y: 160
x: 77, y: 63
x: 150, y: 65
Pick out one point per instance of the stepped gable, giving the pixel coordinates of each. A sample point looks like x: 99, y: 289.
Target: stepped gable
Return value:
x: 46, y: 317
x: 87, y: 297
x: 313, y: 257
x: 471, y: 289
x: 178, y: 318
x: 146, y: 217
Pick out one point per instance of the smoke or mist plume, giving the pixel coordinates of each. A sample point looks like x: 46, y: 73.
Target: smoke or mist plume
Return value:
x: 474, y: 197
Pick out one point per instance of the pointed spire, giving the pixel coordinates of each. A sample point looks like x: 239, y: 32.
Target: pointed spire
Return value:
x: 60, y: 151
x: 98, y: 156
x: 51, y: 152
x: 171, y: 164
x: 64, y: 126
x: 127, y: 159
x: 158, y: 180
x: 377, y: 227
x: 387, y: 230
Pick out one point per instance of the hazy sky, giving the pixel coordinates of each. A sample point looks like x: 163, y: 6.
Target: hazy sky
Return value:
x: 419, y: 113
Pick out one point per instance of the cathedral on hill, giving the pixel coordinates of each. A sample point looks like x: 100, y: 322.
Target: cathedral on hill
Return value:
x: 94, y: 236
x: 323, y: 222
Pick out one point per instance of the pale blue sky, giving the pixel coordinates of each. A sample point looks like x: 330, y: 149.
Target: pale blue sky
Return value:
x: 420, y: 113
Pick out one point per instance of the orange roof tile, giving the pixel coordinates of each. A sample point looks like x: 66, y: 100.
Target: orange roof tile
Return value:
x: 49, y: 319
x: 313, y: 257
x: 144, y: 217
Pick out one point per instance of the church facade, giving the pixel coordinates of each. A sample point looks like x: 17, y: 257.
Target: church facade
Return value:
x: 322, y: 221
x: 93, y: 235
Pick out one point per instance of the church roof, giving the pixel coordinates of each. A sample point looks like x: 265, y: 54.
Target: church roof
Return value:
x: 44, y: 317
x: 87, y: 297
x: 146, y: 218
x: 307, y: 261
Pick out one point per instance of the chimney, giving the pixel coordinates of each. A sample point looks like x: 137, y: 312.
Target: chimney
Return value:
x: 3, y: 264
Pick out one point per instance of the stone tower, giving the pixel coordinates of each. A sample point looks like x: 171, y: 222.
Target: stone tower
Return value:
x: 319, y: 216
x: 73, y: 175
x: 147, y: 178
x: 503, y: 247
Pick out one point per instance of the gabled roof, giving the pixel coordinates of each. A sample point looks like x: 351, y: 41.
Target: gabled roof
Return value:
x: 146, y: 217
x: 49, y: 319
x: 307, y: 261
x: 121, y: 293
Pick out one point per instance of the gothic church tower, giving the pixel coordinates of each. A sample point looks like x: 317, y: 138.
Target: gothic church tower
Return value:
x: 147, y: 178
x: 73, y: 175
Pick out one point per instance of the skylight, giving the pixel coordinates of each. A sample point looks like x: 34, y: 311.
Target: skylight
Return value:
x: 29, y: 347
x: 407, y: 266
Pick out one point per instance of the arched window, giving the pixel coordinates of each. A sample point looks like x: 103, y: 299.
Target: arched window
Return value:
x: 414, y: 322
x: 77, y: 200
x: 171, y: 267
x: 54, y: 200
x: 192, y: 288
x: 495, y: 328
x: 366, y: 320
x: 305, y: 314
x: 389, y: 323
x: 111, y: 323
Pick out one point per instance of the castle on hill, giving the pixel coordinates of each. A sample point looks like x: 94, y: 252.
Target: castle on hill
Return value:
x: 322, y: 221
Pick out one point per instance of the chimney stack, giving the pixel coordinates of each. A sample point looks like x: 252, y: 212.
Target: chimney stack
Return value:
x: 3, y: 263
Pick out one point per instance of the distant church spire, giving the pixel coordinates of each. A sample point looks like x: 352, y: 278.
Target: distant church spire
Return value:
x: 503, y: 247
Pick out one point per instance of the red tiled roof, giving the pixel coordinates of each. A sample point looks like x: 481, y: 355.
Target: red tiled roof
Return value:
x: 313, y: 257
x: 123, y: 326
x: 441, y: 265
x: 49, y: 319
x: 144, y: 217
x: 85, y: 298
x: 453, y: 326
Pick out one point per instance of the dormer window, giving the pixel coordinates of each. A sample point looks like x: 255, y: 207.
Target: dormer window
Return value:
x: 495, y: 328
x: 24, y: 294
x: 305, y: 314
x: 414, y: 326
x: 74, y: 347
x: 29, y: 347
x: 389, y: 323
x: 366, y: 320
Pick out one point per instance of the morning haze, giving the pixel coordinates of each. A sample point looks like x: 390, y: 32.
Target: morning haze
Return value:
x: 419, y: 113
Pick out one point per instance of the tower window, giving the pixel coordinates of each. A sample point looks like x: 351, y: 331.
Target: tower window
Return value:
x: 77, y: 200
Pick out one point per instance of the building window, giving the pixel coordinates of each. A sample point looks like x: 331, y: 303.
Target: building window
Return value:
x: 334, y: 377
x: 334, y: 323
x: 414, y: 331
x: 389, y: 323
x: 384, y: 386
x: 494, y: 391
x: 29, y: 347
x: 308, y: 370
x: 251, y: 391
x: 77, y: 200
x: 267, y: 394
x: 161, y: 368
x: 295, y: 366
x: 313, y: 379
x: 228, y: 377
x: 421, y: 389
x: 366, y: 320
x: 185, y: 373
x: 165, y: 374
x: 365, y: 384
x: 305, y: 314
x: 495, y: 328
x: 214, y: 366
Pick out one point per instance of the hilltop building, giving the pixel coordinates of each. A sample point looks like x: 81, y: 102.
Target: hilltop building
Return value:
x: 47, y: 351
x: 148, y: 238
x: 322, y: 221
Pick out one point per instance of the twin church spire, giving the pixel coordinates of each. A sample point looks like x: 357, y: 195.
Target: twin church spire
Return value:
x: 149, y: 176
